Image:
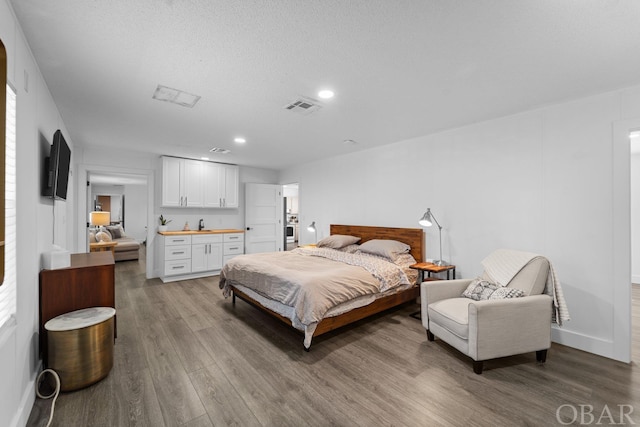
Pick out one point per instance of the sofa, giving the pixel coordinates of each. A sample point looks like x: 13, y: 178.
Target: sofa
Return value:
x: 127, y: 248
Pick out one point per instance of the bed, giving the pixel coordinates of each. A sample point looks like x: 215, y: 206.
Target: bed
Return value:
x: 284, y: 285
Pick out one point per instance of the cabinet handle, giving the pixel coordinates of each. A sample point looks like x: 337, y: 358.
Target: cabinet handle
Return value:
x: 177, y: 253
x: 233, y: 238
x: 234, y: 249
x: 178, y: 240
x: 177, y: 267
x: 186, y: 203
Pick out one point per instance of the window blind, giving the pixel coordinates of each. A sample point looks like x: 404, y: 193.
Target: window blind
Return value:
x: 8, y: 288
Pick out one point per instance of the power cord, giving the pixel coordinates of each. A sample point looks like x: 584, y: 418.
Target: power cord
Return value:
x: 54, y: 394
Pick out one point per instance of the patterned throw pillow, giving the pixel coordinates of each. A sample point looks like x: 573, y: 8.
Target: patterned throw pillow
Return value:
x: 503, y: 292
x: 480, y: 289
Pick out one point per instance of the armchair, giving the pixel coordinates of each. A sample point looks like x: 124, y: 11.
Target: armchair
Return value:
x: 492, y: 328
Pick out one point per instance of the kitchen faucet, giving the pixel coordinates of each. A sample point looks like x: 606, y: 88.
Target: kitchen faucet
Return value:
x: 201, y: 224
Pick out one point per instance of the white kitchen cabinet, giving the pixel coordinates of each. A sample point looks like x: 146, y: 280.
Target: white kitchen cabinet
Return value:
x: 192, y: 184
x: 182, y: 183
x: 233, y: 245
x: 171, y: 190
x: 189, y: 256
x: 221, y: 185
x: 176, y: 255
x: 206, y: 252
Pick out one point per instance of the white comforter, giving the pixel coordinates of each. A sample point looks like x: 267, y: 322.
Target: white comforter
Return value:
x: 312, y: 280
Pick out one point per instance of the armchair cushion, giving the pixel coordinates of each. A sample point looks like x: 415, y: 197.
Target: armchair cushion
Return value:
x: 452, y: 314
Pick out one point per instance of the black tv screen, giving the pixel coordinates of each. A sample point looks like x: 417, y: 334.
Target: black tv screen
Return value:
x: 56, y: 173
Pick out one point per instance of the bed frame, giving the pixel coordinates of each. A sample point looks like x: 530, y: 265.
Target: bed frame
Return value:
x: 411, y: 236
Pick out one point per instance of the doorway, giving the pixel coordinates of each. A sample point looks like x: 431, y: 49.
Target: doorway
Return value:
x: 291, y: 210
x: 108, y: 192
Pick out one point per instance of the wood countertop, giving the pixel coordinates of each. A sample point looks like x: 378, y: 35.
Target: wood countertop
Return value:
x: 183, y: 233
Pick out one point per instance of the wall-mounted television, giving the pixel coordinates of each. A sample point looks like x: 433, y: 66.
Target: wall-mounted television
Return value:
x: 56, y: 169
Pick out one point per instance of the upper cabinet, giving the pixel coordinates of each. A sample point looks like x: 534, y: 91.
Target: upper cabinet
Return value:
x: 194, y: 184
x: 222, y: 185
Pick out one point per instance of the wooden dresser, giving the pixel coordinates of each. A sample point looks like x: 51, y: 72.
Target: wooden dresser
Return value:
x: 88, y: 282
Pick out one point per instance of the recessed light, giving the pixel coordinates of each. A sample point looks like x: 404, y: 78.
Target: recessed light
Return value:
x: 326, y: 94
x: 240, y: 140
x: 349, y: 142
x: 204, y: 158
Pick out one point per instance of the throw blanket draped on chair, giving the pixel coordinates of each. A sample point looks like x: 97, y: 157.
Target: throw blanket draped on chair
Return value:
x: 503, y: 264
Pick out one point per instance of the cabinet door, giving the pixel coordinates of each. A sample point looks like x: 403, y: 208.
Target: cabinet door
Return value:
x: 230, y: 186
x: 192, y: 188
x: 199, y: 254
x: 212, y: 194
x: 215, y: 256
x: 171, y: 179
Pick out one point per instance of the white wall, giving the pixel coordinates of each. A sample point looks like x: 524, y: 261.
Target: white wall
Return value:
x: 539, y: 181
x: 37, y: 120
x: 635, y: 218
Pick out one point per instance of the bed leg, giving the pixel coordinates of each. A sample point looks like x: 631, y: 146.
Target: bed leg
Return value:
x: 307, y: 349
x: 233, y: 298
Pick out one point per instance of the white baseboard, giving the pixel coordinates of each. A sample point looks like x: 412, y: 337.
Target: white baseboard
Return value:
x: 584, y: 342
x: 27, y: 400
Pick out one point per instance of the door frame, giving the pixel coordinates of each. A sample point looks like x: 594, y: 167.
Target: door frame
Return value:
x: 621, y: 238
x: 81, y: 236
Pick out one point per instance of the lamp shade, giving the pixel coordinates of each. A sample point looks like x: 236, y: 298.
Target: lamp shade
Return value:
x: 100, y: 218
x: 426, y: 220
x: 312, y: 227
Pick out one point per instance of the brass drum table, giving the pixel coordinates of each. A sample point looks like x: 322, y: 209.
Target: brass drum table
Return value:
x: 81, y: 346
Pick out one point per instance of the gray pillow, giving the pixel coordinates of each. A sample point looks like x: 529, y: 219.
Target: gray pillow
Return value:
x: 115, y: 232
x: 337, y: 241
x: 385, y: 248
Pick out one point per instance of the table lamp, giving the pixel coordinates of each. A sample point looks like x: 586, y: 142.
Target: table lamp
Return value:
x: 427, y: 220
x: 312, y: 228
x: 100, y: 219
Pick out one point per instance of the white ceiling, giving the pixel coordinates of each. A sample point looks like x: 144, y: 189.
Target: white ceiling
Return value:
x: 399, y: 68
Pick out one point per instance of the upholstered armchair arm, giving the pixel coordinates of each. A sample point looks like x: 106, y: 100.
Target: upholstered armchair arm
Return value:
x: 436, y: 290
x: 509, y: 326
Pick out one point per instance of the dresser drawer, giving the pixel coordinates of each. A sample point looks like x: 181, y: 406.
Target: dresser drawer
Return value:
x: 233, y: 248
x: 181, y: 266
x: 234, y: 237
x: 177, y: 252
x: 177, y: 240
x: 206, y: 238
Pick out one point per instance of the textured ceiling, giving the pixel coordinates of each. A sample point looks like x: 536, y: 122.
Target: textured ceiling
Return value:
x: 400, y: 68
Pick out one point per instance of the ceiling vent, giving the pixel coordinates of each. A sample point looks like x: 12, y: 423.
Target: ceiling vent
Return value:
x: 303, y: 105
x: 217, y: 150
x: 175, y: 96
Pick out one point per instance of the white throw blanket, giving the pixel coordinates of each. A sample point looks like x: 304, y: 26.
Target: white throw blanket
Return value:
x: 502, y: 265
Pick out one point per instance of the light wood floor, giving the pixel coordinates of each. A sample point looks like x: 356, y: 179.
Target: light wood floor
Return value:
x: 186, y: 357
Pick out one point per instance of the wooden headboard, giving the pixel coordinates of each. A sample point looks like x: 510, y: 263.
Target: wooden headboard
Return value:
x: 413, y: 237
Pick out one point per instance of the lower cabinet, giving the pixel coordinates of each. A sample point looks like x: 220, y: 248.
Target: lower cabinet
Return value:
x: 188, y: 256
x: 206, y: 252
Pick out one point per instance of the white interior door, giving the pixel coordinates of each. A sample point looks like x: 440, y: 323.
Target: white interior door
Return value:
x: 263, y: 218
